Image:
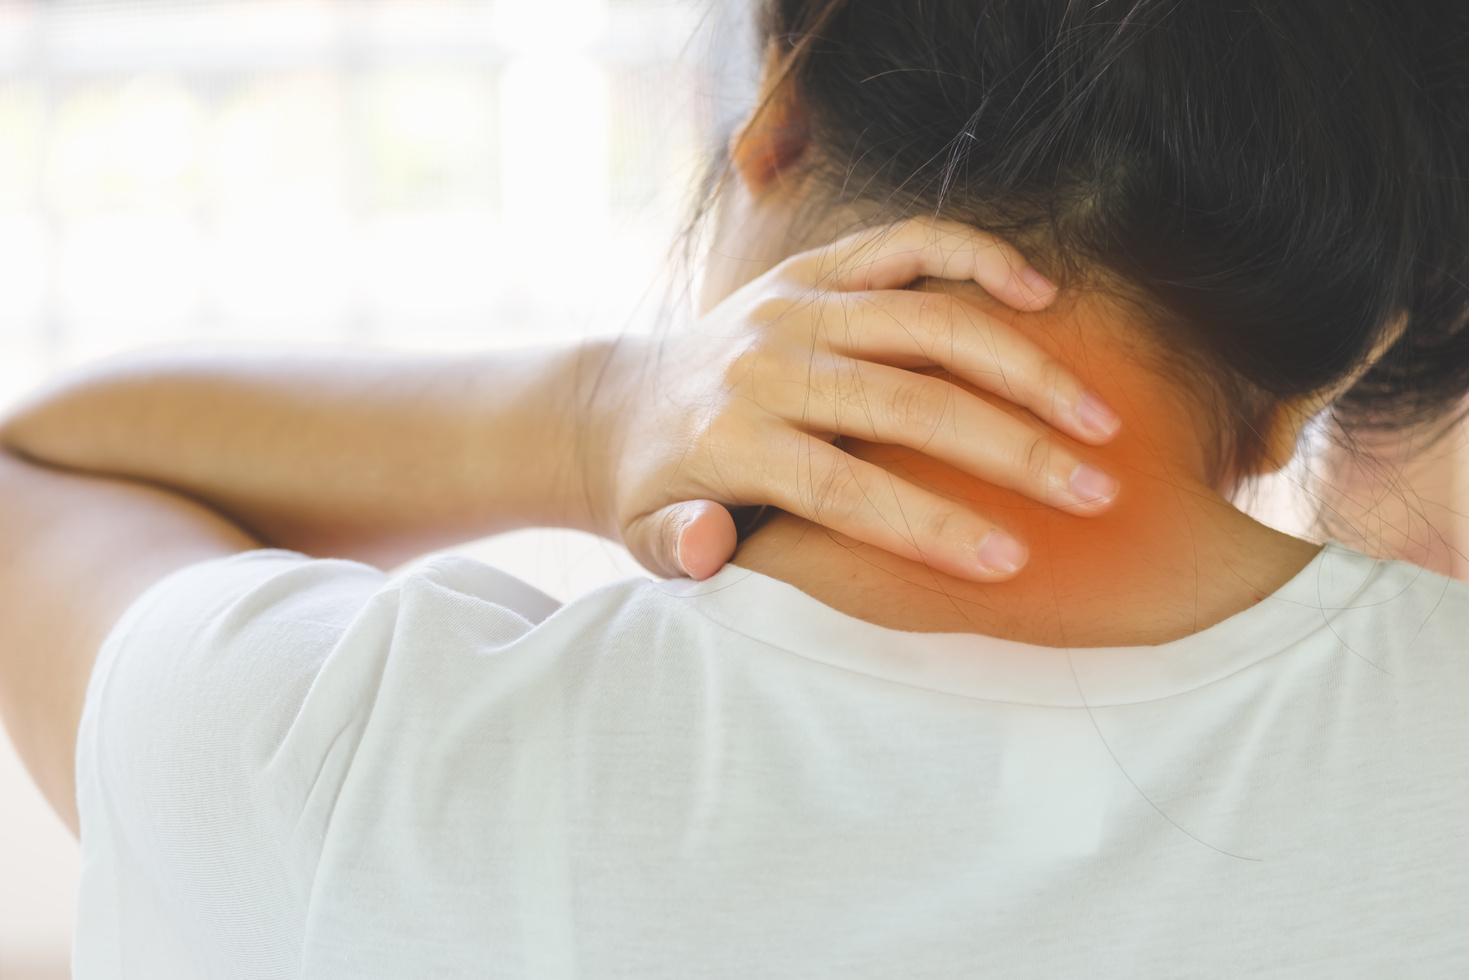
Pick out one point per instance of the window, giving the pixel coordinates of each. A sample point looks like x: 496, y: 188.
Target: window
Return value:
x: 402, y: 172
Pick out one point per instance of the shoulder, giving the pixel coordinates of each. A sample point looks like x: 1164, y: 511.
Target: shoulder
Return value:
x: 270, y: 656
x: 1411, y: 623
x: 1386, y: 591
x: 203, y: 681
x: 234, y: 702
x: 257, y: 673
x: 200, y: 776
x: 226, y: 636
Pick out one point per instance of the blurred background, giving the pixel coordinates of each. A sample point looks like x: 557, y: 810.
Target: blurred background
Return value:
x: 401, y: 173
x: 413, y: 174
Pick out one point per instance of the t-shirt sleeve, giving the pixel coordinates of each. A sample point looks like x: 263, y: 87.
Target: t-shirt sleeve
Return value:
x: 221, y: 722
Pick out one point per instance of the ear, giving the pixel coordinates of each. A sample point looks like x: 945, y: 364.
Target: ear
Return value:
x: 1281, y: 432
x: 772, y: 140
x: 1285, y: 422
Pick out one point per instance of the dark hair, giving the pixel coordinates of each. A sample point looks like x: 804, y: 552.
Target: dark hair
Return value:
x: 1277, y: 179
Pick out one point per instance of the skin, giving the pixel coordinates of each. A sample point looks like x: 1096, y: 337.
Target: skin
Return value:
x: 1170, y: 557
x: 77, y: 552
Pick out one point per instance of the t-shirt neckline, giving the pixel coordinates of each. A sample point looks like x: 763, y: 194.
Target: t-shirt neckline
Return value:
x: 779, y: 615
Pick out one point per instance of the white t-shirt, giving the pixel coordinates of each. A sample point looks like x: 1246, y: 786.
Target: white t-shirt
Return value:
x: 298, y: 768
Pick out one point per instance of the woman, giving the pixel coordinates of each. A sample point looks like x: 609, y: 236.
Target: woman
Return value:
x: 1177, y: 743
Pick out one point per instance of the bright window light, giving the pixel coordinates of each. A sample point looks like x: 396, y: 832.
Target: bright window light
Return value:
x: 422, y: 173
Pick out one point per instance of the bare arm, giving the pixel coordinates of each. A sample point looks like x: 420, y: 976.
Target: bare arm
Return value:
x: 74, y: 553
x: 370, y: 456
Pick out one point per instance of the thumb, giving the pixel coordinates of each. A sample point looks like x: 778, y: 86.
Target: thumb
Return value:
x: 690, y: 539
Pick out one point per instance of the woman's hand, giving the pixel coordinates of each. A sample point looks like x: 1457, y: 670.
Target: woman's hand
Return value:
x: 743, y: 408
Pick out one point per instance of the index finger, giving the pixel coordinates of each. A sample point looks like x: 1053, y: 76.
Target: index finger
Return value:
x: 910, y: 329
x: 892, y: 256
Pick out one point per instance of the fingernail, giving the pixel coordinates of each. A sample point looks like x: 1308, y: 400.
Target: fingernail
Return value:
x: 1091, y: 485
x: 1037, y: 283
x: 679, y: 545
x: 1001, y: 554
x: 1096, y: 415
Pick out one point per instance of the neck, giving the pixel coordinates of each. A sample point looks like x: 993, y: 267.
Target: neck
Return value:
x: 1171, y: 556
